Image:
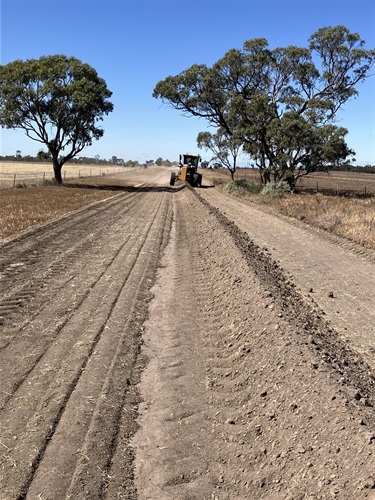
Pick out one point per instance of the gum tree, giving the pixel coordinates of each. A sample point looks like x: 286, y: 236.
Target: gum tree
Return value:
x: 225, y: 148
x: 280, y: 104
x: 58, y: 101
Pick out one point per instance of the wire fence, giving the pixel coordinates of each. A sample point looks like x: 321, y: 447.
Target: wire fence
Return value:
x: 20, y: 179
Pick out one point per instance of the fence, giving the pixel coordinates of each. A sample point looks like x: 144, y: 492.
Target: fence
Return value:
x: 340, y: 184
x: 23, y: 177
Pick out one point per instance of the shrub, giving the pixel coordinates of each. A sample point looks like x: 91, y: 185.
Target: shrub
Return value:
x: 49, y: 182
x: 276, y: 189
x: 241, y: 187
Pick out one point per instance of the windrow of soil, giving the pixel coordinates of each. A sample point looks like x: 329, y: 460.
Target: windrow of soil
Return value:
x: 248, y: 392
x: 302, y: 313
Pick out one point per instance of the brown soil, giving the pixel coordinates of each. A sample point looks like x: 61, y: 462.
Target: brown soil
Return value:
x: 178, y: 344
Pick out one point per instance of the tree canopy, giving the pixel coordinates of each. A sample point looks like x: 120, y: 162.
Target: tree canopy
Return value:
x: 58, y: 101
x: 279, y: 104
x: 225, y: 147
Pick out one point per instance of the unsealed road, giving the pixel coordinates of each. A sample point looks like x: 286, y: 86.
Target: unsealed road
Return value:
x: 150, y: 350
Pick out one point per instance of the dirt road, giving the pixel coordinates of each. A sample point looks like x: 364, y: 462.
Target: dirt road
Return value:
x: 151, y: 348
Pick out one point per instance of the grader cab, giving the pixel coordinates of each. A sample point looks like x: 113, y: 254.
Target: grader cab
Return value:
x: 188, y: 170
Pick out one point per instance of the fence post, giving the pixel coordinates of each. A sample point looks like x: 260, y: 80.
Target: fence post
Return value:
x: 14, y: 180
x: 317, y: 187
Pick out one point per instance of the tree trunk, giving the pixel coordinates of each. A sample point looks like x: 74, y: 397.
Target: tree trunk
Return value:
x: 57, y: 167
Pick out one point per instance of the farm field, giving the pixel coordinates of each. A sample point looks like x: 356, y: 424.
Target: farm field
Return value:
x: 174, y: 343
x: 341, y: 183
x: 23, y: 173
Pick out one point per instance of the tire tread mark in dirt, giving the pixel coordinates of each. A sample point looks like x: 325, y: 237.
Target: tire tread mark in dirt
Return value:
x: 10, y: 391
x: 47, y: 237
x: 255, y: 371
x: 73, y: 383
x: 80, y: 477
x: 39, y: 233
x: 333, y: 350
x: 112, y: 419
x: 26, y: 288
x: 63, y: 323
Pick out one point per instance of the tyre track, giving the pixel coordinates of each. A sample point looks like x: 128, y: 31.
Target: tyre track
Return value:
x: 37, y: 335
x: 58, y: 382
x: 20, y: 280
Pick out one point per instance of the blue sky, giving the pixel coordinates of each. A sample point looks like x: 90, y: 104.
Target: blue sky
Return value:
x: 133, y: 44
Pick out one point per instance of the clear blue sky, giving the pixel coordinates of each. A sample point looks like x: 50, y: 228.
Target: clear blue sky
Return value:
x: 135, y: 43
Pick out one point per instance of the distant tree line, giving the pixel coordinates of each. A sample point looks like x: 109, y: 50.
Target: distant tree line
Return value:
x: 368, y: 169
x: 43, y: 156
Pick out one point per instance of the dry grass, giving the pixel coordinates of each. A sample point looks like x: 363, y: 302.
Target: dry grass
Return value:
x: 350, y: 217
x: 21, y: 209
x: 23, y: 173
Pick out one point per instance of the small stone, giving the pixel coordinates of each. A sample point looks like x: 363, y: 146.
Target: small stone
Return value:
x: 369, y: 484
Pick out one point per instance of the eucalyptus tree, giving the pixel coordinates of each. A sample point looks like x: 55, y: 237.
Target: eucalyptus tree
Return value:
x: 225, y: 147
x: 281, y: 103
x: 58, y: 101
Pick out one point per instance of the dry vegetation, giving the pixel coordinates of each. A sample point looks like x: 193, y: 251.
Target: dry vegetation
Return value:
x: 351, y: 217
x: 21, y: 209
x: 23, y: 173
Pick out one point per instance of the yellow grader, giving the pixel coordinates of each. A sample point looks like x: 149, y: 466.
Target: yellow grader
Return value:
x: 188, y: 170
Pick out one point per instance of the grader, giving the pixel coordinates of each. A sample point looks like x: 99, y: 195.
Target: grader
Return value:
x: 188, y: 170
